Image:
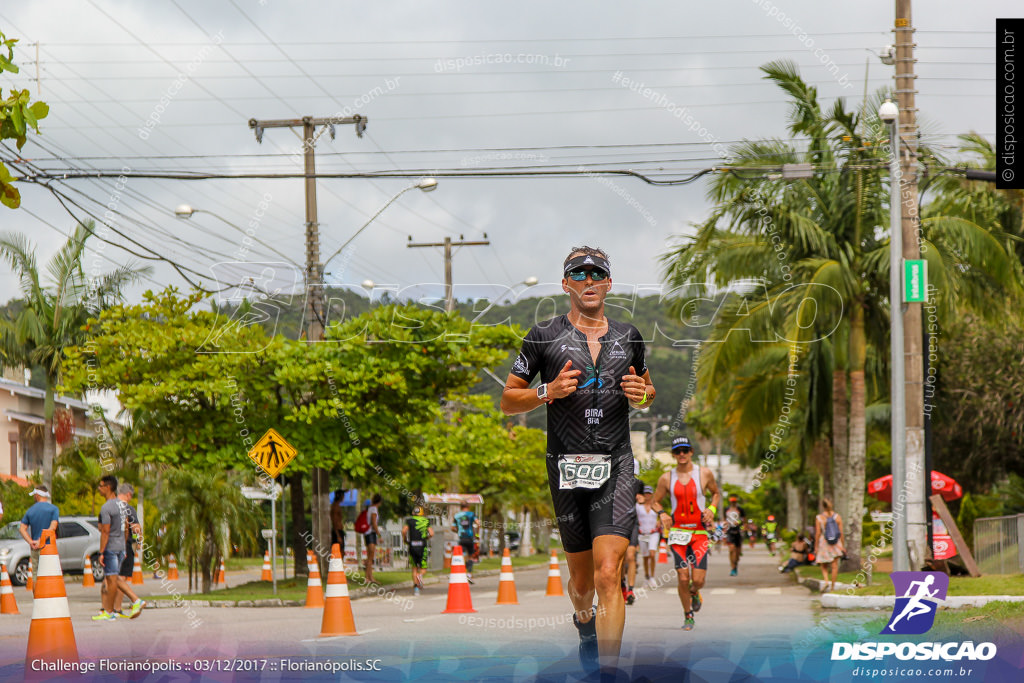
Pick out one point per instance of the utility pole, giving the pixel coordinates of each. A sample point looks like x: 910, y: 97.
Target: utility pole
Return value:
x: 917, y: 534
x: 313, y: 313
x: 449, y: 299
x: 449, y: 306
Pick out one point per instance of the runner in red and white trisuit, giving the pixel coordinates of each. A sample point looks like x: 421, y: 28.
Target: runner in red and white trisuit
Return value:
x: 689, y: 521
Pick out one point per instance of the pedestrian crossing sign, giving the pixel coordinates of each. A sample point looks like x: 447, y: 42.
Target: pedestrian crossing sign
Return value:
x: 271, y: 453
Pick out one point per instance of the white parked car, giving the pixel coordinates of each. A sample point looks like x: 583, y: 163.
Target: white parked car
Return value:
x: 77, y: 538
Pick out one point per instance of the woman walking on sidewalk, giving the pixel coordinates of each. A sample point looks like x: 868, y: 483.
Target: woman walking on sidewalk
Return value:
x: 828, y: 541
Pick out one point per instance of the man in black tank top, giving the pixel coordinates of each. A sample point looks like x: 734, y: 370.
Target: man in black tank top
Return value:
x: 592, y: 370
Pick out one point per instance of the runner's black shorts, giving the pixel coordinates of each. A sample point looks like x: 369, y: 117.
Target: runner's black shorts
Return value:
x: 418, y: 556
x: 584, y: 514
x: 735, y: 538
x: 128, y: 564
x: 634, y: 538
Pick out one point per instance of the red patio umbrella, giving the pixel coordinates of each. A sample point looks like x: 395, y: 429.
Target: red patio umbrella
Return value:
x: 945, y: 486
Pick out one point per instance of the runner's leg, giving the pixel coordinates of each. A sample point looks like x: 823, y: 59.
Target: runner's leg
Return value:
x: 684, y: 588
x: 581, y: 583
x: 608, y: 554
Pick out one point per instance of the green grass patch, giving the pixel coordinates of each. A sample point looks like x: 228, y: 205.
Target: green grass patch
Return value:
x: 232, y: 564
x: 985, y: 623
x: 993, y: 584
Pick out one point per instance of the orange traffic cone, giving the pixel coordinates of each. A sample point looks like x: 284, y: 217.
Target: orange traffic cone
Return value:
x: 338, y: 620
x: 266, y: 575
x: 447, y: 556
x: 50, y: 637
x: 137, y: 572
x: 8, y: 605
x: 314, y: 590
x: 218, y: 576
x: 28, y: 579
x: 506, y: 582
x: 459, y: 599
x: 172, y: 569
x: 554, y: 576
x: 87, y: 578
x: 663, y: 552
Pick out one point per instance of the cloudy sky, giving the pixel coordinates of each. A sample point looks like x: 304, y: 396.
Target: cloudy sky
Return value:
x: 447, y: 86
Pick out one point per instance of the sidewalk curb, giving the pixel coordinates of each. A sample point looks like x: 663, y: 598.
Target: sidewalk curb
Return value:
x: 356, y: 594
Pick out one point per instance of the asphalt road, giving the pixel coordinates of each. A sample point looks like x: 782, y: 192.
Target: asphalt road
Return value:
x: 756, y: 613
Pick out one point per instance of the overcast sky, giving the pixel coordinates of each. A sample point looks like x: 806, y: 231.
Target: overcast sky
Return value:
x: 446, y: 98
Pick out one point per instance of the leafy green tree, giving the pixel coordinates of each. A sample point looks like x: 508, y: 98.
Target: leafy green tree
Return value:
x: 53, y: 315
x: 17, y: 115
x: 808, y: 260
x: 368, y: 401
x: 979, y: 399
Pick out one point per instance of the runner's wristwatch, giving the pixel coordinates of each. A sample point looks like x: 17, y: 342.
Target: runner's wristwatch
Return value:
x: 542, y: 392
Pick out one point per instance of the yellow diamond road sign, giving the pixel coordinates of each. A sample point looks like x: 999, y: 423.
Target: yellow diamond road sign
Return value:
x: 272, y: 453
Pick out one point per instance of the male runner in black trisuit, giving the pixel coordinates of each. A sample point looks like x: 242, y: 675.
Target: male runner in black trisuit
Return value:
x: 592, y: 370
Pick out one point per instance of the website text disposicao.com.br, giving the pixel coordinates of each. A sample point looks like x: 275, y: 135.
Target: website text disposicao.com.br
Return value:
x: 910, y: 672
x: 958, y: 659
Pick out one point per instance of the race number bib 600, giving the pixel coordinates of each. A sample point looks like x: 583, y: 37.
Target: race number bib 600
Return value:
x: 680, y: 536
x: 581, y: 471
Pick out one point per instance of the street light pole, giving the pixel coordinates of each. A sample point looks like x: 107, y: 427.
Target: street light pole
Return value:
x: 426, y: 184
x: 529, y: 282
x: 186, y: 211
x: 889, y: 113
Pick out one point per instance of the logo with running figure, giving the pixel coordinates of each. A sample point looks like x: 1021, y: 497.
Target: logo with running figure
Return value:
x: 917, y: 597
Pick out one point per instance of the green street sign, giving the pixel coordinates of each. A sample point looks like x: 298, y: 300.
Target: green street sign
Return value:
x: 915, y: 281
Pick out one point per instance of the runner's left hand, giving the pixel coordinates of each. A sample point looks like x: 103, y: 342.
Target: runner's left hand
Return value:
x: 634, y: 386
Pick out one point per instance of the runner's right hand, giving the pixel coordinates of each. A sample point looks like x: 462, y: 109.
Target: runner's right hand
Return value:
x: 565, y: 383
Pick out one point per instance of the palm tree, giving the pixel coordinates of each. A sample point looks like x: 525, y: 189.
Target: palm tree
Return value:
x: 201, y: 511
x: 817, y: 253
x: 54, y: 314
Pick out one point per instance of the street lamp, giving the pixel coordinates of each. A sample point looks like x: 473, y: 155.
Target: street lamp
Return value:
x: 890, y: 115
x: 427, y: 184
x: 529, y: 282
x: 185, y: 211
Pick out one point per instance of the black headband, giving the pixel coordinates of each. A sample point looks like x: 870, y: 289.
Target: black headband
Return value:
x: 586, y: 260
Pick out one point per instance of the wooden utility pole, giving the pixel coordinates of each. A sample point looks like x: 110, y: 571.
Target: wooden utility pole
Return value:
x: 917, y: 533
x: 449, y: 298
x: 449, y: 306
x: 313, y: 311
